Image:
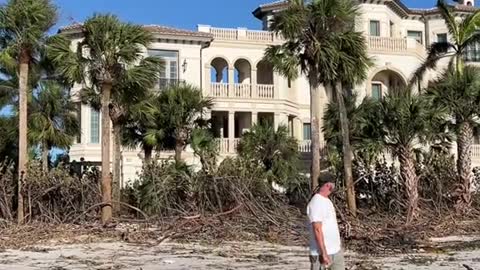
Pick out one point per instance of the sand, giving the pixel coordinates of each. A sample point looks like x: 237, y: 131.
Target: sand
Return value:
x: 232, y: 255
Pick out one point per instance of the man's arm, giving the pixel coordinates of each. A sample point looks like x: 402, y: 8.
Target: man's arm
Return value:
x: 317, y: 230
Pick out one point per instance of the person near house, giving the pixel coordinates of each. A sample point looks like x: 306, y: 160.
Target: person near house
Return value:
x: 325, y: 244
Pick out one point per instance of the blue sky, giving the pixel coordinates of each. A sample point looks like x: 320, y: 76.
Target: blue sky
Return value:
x: 180, y: 13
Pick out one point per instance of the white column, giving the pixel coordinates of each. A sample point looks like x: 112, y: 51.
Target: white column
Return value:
x: 280, y: 119
x: 231, y: 131
x: 254, y: 83
x: 254, y: 118
x: 297, y: 129
x: 231, y: 81
x: 207, y: 79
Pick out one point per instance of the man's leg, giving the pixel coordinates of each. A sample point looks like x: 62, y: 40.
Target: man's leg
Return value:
x: 315, y: 263
x: 338, y: 261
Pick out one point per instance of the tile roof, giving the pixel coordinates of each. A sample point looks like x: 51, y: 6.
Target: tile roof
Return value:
x: 274, y: 4
x: 157, y: 29
x: 397, y: 5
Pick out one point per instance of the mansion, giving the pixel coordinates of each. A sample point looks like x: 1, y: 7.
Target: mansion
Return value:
x: 227, y: 65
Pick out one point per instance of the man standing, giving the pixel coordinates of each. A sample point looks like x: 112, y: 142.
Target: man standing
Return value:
x: 325, y: 245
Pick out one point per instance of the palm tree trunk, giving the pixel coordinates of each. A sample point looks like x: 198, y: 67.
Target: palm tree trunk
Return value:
x: 148, y: 153
x: 464, y: 163
x: 117, y: 157
x: 45, y: 151
x: 459, y: 64
x: 347, y: 150
x: 106, y: 177
x: 408, y: 174
x: 178, y: 150
x: 315, y: 114
x: 23, y: 130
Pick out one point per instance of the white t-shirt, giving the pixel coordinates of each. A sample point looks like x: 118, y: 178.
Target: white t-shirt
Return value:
x: 321, y: 209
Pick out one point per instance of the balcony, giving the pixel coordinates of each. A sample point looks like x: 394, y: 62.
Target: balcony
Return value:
x: 242, y: 90
x: 303, y: 146
x: 395, y: 45
x: 241, y: 34
x: 241, y: 79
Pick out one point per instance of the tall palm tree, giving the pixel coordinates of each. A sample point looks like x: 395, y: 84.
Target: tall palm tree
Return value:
x: 463, y: 33
x: 460, y: 96
x: 408, y: 121
x: 181, y: 106
x: 24, y: 25
x: 53, y: 119
x: 276, y: 150
x: 127, y: 99
x: 314, y: 34
x: 102, y: 60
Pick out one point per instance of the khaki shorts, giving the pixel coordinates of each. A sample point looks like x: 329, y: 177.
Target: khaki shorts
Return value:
x: 338, y: 262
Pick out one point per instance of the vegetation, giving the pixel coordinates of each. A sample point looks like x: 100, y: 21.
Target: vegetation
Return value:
x: 460, y: 96
x: 275, y: 150
x: 463, y: 34
x: 53, y: 119
x: 23, y: 30
x: 181, y: 108
x: 329, y: 51
x: 365, y: 139
x: 113, y: 47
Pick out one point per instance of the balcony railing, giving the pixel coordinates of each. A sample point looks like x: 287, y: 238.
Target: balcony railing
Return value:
x: 387, y: 44
x: 476, y: 151
x: 219, y: 89
x: 305, y: 146
x: 241, y: 34
x: 265, y: 90
x: 395, y: 45
x: 242, y: 90
x: 223, y: 145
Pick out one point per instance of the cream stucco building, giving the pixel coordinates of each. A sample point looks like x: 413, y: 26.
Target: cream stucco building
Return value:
x: 227, y: 65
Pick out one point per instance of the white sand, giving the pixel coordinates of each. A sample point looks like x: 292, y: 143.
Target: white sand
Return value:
x: 169, y: 256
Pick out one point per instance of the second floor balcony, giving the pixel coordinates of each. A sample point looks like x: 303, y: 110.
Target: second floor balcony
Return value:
x: 241, y: 79
x: 395, y: 45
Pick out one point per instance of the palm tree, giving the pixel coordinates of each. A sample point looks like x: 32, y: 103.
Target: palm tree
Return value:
x: 53, y: 119
x: 408, y: 121
x: 460, y: 96
x: 316, y: 35
x: 205, y: 147
x: 277, y: 151
x: 142, y: 129
x: 127, y: 99
x: 24, y: 25
x: 463, y: 33
x: 102, y: 60
x: 181, y: 107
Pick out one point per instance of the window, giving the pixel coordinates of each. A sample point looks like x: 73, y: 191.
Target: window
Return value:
x: 307, y: 129
x: 472, y: 54
x: 417, y: 35
x: 377, y: 91
x: 94, y: 126
x: 375, y: 28
x: 169, y: 73
x: 442, y: 37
